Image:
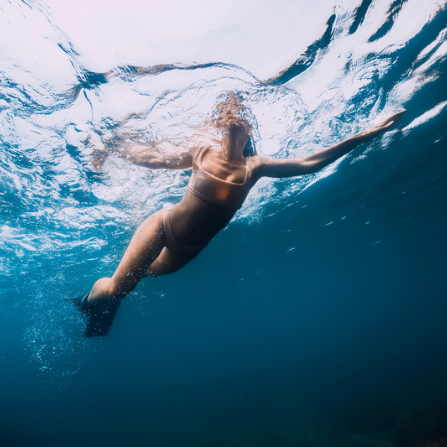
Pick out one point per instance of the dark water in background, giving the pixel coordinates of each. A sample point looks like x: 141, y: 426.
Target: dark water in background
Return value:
x: 317, y: 318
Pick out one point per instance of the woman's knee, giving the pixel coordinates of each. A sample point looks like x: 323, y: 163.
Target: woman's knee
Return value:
x: 159, y: 269
x: 170, y: 262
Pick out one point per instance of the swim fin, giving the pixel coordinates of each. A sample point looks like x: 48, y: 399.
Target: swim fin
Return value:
x: 100, y: 315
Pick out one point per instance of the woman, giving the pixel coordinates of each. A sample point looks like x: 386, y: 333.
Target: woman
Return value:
x: 222, y: 177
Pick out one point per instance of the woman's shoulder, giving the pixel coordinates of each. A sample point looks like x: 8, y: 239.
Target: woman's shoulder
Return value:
x: 201, y: 148
x: 205, y: 146
x: 260, y: 165
x: 259, y: 160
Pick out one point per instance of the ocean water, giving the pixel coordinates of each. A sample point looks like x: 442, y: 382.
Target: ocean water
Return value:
x: 317, y: 318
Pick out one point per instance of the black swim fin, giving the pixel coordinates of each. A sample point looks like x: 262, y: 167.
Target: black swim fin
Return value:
x: 100, y: 315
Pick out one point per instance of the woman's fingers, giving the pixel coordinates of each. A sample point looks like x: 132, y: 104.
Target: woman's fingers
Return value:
x: 398, y: 115
x: 388, y: 125
x: 384, y: 125
x: 394, y: 118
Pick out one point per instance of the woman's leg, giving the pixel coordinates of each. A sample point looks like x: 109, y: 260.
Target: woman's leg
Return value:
x: 170, y: 261
x: 145, y: 246
x: 146, y: 255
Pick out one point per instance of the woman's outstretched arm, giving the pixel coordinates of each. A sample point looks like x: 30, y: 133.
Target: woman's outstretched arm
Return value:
x: 149, y: 155
x: 269, y: 167
x: 153, y: 158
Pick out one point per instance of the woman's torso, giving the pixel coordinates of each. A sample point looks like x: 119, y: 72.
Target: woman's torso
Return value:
x: 216, y: 191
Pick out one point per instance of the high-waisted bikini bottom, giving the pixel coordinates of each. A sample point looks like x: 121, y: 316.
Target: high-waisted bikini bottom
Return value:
x: 171, y: 241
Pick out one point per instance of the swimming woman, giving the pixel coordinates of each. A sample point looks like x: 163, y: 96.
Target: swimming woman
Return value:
x: 222, y: 176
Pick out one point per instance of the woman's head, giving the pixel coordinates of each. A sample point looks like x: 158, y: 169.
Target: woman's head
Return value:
x: 228, y: 116
x: 231, y: 119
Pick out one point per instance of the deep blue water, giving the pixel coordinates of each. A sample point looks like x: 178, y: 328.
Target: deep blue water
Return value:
x: 316, y: 319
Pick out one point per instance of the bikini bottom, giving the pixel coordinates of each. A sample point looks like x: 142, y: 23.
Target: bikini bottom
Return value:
x: 171, y: 241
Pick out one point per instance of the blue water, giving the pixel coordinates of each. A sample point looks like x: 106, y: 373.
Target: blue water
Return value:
x: 317, y: 318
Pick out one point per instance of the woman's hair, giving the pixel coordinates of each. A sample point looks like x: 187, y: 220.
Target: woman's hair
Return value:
x: 230, y: 115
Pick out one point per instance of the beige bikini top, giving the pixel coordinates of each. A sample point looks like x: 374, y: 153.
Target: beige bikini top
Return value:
x: 212, y: 189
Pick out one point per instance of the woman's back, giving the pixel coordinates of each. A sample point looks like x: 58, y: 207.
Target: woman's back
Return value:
x: 217, y: 189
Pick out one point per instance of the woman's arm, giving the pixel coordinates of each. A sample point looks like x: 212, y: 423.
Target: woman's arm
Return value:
x: 150, y: 157
x: 269, y: 167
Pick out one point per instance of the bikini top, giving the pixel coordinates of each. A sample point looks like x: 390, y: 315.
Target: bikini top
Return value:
x: 212, y: 189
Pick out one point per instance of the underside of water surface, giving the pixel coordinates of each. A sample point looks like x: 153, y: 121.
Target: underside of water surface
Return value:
x: 317, y: 317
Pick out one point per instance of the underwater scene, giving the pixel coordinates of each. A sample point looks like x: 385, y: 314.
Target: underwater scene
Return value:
x: 317, y: 317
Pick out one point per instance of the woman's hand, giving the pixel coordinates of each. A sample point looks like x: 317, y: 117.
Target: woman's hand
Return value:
x: 369, y: 134
x: 99, y: 152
